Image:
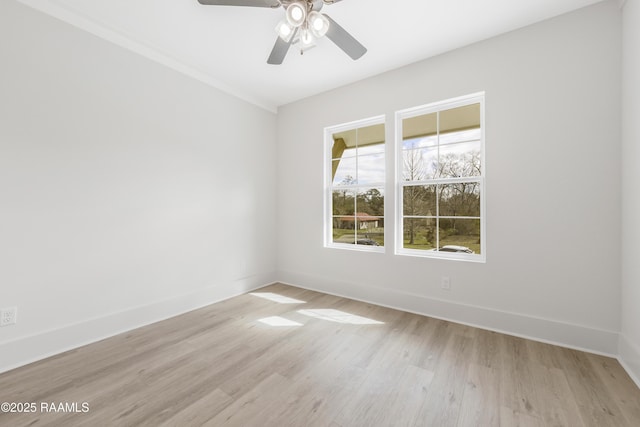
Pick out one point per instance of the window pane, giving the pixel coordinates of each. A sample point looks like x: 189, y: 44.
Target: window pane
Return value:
x: 419, y: 233
x: 420, y: 142
x: 344, y: 144
x: 419, y: 164
x: 419, y: 127
x: 344, y: 171
x: 460, y: 160
x: 461, y: 136
x: 462, y: 199
x: 371, y: 169
x: 419, y: 200
x: 344, y: 202
x: 370, y: 231
x: 370, y: 217
x: 460, y: 118
x: 371, y: 137
x: 371, y: 202
x: 349, y: 152
x: 456, y: 235
x: 343, y: 230
x: 374, y: 148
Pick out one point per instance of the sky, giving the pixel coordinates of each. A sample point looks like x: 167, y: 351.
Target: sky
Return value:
x: 371, y: 159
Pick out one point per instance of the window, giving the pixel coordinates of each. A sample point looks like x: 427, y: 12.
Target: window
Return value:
x: 440, y: 192
x: 440, y: 174
x: 355, y: 179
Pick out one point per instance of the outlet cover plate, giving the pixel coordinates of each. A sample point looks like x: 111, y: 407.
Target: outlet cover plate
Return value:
x: 8, y: 316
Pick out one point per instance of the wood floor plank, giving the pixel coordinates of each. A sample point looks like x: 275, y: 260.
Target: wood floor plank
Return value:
x: 200, y: 411
x: 252, y: 407
x: 554, y: 405
x: 597, y: 407
x: 512, y: 418
x: 517, y: 391
x: 285, y: 356
x: 322, y: 392
x: 444, y: 396
x: 480, y: 401
x: 618, y: 384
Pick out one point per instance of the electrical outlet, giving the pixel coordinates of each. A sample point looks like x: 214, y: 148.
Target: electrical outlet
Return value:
x: 445, y: 283
x: 8, y: 316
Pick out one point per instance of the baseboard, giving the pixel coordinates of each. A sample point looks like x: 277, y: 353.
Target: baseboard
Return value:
x: 549, y: 331
x: 25, y: 350
x: 629, y: 358
x: 29, y: 349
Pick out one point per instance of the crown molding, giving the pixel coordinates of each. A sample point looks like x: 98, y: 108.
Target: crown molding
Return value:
x: 146, y: 49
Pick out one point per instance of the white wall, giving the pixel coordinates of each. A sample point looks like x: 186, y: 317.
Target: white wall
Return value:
x: 552, y: 185
x: 128, y: 192
x: 630, y: 337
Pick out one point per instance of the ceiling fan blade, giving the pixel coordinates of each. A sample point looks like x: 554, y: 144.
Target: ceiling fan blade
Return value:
x: 279, y: 51
x: 250, y: 3
x: 344, y: 40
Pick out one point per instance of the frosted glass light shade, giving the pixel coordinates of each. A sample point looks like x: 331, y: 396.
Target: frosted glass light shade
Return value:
x: 306, y: 37
x: 296, y: 13
x: 318, y: 24
x: 284, y: 30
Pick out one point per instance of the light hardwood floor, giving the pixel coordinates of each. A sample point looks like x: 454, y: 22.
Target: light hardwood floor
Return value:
x: 344, y: 364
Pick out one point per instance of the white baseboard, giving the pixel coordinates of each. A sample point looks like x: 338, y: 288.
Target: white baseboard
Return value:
x: 549, y: 331
x: 629, y: 358
x: 29, y: 349
x: 25, y: 350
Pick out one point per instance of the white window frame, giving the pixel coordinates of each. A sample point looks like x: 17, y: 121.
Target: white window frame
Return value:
x: 328, y: 183
x: 476, y: 98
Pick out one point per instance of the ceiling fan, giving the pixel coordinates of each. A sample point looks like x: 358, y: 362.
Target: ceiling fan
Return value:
x: 303, y: 23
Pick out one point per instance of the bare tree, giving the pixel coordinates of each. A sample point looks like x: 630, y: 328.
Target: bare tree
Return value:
x: 414, y: 170
x: 459, y: 199
x: 453, y: 165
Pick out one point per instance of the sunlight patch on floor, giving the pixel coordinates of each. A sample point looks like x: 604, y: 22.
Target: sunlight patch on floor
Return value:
x: 277, y: 298
x: 278, y: 321
x: 339, y: 316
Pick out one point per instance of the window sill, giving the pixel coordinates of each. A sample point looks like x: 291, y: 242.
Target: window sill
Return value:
x: 449, y: 256
x: 356, y: 248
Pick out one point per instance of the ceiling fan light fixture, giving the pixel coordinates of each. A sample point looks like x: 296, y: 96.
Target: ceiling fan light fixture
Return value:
x: 297, y: 13
x: 318, y: 24
x: 284, y: 30
x: 306, y: 38
x: 302, y: 26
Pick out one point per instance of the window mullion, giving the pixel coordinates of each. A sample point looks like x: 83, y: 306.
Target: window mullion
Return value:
x: 355, y: 197
x: 476, y: 179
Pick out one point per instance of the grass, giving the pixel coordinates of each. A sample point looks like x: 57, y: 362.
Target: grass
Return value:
x: 420, y: 241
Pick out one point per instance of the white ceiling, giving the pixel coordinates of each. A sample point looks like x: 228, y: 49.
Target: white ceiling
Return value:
x: 227, y: 47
